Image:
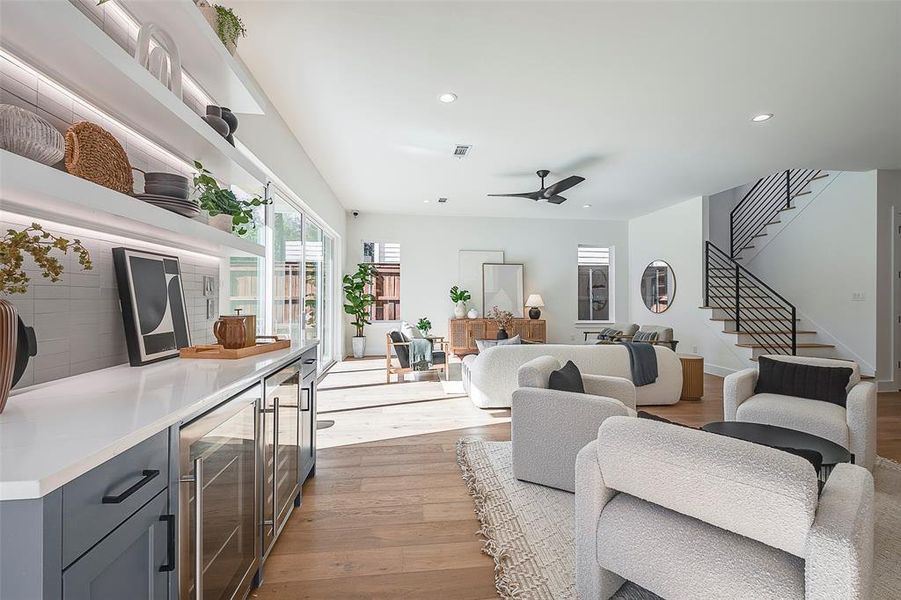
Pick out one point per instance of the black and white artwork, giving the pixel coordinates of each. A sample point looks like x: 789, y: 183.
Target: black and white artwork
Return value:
x: 152, y: 295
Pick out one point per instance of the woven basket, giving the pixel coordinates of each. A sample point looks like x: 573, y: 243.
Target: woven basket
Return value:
x: 93, y: 153
x: 24, y: 133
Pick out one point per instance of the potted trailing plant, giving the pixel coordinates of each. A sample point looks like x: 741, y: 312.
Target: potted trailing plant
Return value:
x: 459, y: 298
x: 424, y: 325
x: 17, y: 342
x: 356, y: 293
x: 227, y: 25
x: 503, y: 319
x: 234, y: 214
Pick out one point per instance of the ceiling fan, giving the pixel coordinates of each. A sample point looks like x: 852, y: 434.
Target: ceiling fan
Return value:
x: 550, y: 193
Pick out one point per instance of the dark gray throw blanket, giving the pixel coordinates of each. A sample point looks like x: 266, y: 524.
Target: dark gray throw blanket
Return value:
x: 643, y: 361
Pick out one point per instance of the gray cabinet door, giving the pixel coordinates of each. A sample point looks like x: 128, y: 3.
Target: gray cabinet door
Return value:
x: 127, y: 563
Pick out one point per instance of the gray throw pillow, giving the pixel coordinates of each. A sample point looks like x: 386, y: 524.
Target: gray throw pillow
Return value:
x: 515, y: 340
x: 410, y: 332
x: 609, y: 333
x: 645, y: 336
x: 566, y: 379
x: 483, y: 345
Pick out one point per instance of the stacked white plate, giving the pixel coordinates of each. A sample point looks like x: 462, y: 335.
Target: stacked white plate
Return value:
x: 170, y: 192
x: 182, y: 206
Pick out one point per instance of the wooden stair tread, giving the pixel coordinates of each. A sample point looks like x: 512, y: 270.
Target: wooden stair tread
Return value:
x: 798, y: 345
x: 749, y: 319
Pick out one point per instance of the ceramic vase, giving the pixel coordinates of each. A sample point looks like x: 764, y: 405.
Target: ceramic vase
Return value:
x: 24, y: 133
x: 229, y: 117
x: 359, y: 346
x: 460, y: 310
x: 9, y: 329
x: 214, y: 119
x: 473, y: 313
x: 502, y: 333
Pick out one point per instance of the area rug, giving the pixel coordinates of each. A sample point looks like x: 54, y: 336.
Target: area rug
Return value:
x: 528, y: 528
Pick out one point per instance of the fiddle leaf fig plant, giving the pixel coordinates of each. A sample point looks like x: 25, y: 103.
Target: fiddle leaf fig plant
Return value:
x: 216, y: 200
x: 356, y: 286
x: 37, y: 242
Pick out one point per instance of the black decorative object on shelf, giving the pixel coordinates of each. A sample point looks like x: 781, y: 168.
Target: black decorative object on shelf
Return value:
x: 214, y: 119
x: 534, y: 313
x: 153, y: 305
x: 229, y: 117
x: 502, y: 334
x: 26, y: 348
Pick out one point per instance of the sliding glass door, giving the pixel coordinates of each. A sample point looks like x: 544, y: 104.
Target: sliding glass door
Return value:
x: 287, y: 258
x: 313, y: 257
x: 327, y: 322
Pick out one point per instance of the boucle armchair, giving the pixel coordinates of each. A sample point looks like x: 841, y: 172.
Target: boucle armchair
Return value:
x: 852, y: 426
x: 688, y: 514
x: 549, y: 427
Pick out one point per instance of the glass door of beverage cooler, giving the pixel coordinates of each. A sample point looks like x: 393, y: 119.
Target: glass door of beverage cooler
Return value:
x: 218, y: 537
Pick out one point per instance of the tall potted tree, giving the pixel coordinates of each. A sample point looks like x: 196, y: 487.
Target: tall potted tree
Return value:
x: 358, y: 302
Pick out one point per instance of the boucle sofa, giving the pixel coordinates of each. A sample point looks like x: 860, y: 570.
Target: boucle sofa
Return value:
x: 549, y: 427
x: 688, y: 514
x: 491, y: 376
x: 852, y: 426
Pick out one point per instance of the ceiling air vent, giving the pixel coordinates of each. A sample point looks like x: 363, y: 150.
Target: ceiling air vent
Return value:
x: 442, y: 200
x: 460, y: 150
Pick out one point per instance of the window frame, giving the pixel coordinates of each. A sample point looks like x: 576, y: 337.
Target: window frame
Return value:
x: 399, y: 301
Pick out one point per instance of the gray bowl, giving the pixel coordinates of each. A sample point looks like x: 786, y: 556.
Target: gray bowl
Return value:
x: 162, y: 189
x: 167, y: 178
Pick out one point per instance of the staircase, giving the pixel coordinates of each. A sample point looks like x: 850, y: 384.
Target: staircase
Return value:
x: 758, y: 318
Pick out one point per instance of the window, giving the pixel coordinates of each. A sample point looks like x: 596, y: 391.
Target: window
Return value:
x: 594, y: 283
x: 385, y: 256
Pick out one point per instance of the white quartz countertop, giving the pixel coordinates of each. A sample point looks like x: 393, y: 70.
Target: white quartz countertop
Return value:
x: 52, y: 433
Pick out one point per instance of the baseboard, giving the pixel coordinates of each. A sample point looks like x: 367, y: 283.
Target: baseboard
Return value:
x: 887, y: 385
x: 718, y: 370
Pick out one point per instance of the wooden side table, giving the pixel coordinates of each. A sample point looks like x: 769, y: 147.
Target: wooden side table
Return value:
x: 692, y: 376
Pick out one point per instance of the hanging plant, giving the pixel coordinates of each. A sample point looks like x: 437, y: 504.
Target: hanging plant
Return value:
x: 216, y: 200
x: 37, y: 242
x: 229, y: 26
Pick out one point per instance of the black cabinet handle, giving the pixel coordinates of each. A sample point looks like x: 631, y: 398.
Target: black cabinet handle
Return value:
x: 170, y: 543
x: 147, y: 474
x: 309, y: 361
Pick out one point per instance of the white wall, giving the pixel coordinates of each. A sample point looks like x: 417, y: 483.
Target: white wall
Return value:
x: 676, y: 235
x: 827, y: 253
x: 429, y: 264
x: 888, y: 281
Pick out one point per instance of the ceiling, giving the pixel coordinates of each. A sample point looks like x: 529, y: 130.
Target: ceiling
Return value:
x: 651, y: 102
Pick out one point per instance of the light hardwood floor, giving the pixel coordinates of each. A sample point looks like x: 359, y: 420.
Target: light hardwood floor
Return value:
x: 388, y: 516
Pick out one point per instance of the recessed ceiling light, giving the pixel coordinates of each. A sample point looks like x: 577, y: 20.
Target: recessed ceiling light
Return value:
x: 586, y: 206
x: 762, y: 117
x: 447, y: 97
x: 425, y: 201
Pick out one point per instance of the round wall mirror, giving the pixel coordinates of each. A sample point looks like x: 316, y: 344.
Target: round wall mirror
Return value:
x: 658, y: 286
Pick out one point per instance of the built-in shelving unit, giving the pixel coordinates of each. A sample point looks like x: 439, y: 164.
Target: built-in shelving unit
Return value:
x: 36, y: 190
x: 78, y: 54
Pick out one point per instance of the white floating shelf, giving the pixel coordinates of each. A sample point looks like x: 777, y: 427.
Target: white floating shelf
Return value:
x: 77, y: 54
x: 202, y: 53
x: 31, y: 189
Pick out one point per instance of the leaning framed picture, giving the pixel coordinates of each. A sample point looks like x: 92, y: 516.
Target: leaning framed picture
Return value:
x: 151, y: 292
x: 502, y: 287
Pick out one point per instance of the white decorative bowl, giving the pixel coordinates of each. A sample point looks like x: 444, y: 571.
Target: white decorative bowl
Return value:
x: 24, y: 133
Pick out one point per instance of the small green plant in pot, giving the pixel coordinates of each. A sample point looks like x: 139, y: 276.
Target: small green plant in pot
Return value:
x: 227, y: 25
x: 217, y: 201
x: 358, y: 301
x: 424, y: 325
x: 459, y: 298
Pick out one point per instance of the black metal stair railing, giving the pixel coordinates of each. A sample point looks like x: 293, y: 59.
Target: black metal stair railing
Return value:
x: 757, y: 310
x: 760, y: 206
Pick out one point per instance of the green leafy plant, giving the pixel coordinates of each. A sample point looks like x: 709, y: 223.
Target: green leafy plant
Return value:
x: 220, y: 201
x: 424, y: 325
x: 229, y: 26
x: 458, y: 295
x: 358, y: 298
x: 38, y: 243
x: 503, y: 318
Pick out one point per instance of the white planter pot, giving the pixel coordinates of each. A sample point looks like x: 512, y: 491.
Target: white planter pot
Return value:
x: 473, y: 313
x: 359, y: 346
x: 460, y: 309
x: 222, y: 222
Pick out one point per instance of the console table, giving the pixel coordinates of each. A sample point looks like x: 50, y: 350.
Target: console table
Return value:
x: 463, y: 333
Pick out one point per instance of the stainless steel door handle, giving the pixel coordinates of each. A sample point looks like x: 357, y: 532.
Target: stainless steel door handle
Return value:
x: 198, y: 528
x: 275, y: 453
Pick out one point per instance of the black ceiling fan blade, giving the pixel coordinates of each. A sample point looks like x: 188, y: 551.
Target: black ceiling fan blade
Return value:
x: 530, y: 195
x: 556, y: 199
x: 562, y: 185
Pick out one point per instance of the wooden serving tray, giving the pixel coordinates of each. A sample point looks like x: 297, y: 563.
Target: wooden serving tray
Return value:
x: 217, y: 351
